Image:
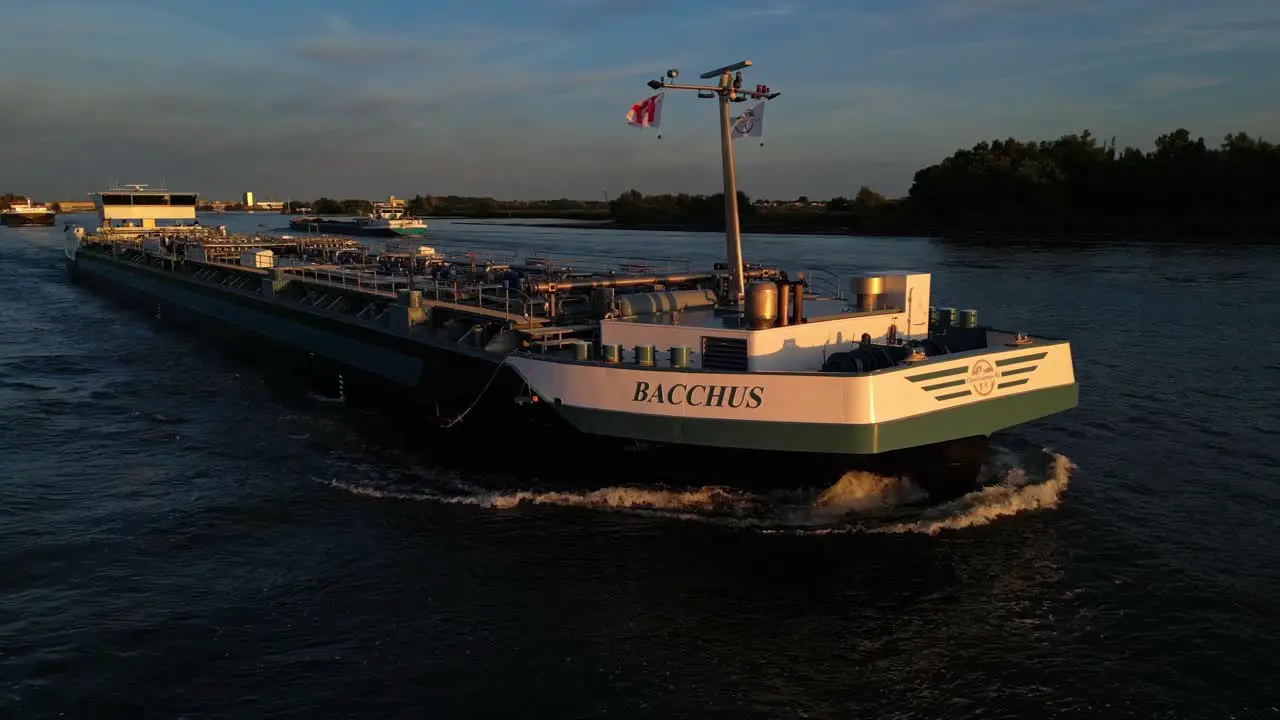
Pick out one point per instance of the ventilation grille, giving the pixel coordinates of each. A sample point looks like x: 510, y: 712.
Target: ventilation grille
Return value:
x: 720, y: 353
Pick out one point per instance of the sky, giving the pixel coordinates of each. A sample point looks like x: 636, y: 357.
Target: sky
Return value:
x: 526, y: 99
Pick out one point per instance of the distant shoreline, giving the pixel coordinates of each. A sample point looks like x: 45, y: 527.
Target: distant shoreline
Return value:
x: 1009, y: 237
x: 660, y: 227
x: 964, y: 235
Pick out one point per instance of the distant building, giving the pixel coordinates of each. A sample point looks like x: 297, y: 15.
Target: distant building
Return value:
x: 268, y: 205
x: 73, y: 206
x: 248, y: 199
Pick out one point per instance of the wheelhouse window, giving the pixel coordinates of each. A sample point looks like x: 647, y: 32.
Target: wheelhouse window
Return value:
x: 175, y: 199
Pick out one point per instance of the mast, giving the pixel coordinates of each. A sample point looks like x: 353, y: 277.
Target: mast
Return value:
x: 729, y: 90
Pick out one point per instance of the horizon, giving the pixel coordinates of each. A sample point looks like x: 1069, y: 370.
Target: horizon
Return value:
x: 294, y: 100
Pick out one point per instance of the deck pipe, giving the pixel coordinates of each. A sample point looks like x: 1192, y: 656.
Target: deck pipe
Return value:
x: 553, y: 286
x: 622, y: 281
x: 784, y: 302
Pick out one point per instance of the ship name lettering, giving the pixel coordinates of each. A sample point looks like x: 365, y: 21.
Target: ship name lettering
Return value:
x: 749, y: 397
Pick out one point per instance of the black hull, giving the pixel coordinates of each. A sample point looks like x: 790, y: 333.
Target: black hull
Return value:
x: 433, y: 377
x: 23, y: 220
x: 462, y: 406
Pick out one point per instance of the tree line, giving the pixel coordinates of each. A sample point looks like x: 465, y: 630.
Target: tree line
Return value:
x: 1074, y: 184
x: 7, y: 200
x: 462, y: 206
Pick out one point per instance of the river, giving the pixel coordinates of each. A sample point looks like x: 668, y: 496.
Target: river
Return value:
x: 181, y: 538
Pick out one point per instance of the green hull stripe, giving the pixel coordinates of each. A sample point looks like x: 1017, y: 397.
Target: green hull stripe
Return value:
x: 954, y: 395
x: 938, y: 374
x: 1014, y: 383
x: 939, y: 386
x: 1018, y: 371
x: 1021, y: 359
x: 950, y: 423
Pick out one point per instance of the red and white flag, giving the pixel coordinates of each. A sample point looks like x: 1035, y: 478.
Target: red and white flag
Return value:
x: 646, y: 113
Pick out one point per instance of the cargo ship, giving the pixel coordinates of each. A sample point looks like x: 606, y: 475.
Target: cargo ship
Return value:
x: 387, y: 219
x: 733, y: 365
x: 24, y: 214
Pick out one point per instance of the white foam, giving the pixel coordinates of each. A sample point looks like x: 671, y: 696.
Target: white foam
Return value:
x: 1016, y: 494
x: 858, y: 502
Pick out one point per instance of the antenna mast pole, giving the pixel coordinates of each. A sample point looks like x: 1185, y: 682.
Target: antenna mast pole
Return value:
x: 728, y: 90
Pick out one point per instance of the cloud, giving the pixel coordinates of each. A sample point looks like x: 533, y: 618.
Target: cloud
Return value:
x: 1165, y: 84
x: 1189, y: 37
x: 344, y: 44
x: 336, y: 113
x: 775, y: 11
x: 949, y: 11
x: 575, y: 16
x: 530, y: 101
x: 613, y: 7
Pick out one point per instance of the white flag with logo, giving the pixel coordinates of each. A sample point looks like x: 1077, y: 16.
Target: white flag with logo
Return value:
x: 750, y: 123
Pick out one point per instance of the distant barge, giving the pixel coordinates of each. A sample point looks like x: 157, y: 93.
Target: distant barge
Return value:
x: 387, y: 220
x: 25, y: 214
x: 734, y: 362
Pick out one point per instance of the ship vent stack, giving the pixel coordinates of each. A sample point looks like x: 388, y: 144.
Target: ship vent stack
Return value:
x: 602, y: 302
x: 868, y: 289
x: 797, y: 300
x: 762, y: 305
x: 784, y: 302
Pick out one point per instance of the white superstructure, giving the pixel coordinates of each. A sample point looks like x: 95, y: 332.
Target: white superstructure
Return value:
x: 392, y: 216
x: 26, y: 208
x: 139, y: 207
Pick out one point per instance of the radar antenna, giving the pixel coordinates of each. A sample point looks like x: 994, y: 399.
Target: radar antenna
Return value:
x: 729, y: 90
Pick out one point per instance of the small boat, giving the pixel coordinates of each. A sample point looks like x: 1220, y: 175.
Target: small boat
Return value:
x: 24, y: 214
x: 388, y: 219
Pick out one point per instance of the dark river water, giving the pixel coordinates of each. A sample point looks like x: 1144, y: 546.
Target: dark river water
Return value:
x: 180, y: 537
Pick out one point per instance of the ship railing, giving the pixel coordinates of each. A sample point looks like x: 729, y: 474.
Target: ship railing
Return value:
x: 479, y: 257
x: 825, y: 282
x: 590, y: 264
x: 560, y: 262
x: 350, y: 279
x: 494, y: 296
